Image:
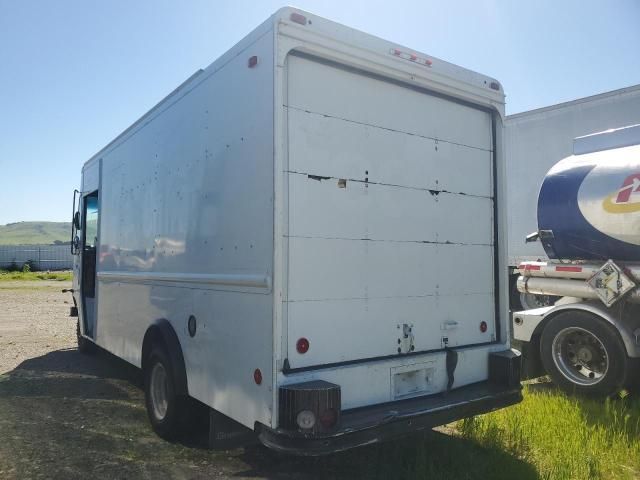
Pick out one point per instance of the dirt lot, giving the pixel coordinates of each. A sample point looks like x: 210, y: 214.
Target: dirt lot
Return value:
x: 33, y: 321
x: 65, y: 415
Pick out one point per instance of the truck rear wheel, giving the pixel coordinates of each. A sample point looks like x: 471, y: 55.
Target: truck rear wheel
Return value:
x: 166, y: 410
x: 583, y: 354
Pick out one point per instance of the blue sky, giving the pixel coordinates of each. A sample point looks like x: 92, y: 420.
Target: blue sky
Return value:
x: 75, y: 73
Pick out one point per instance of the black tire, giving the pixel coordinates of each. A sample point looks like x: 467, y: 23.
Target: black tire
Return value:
x: 86, y: 347
x: 176, y: 419
x: 614, y: 376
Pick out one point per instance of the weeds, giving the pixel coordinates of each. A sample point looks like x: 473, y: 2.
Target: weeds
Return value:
x: 28, y: 266
x: 27, y: 274
x: 565, y: 437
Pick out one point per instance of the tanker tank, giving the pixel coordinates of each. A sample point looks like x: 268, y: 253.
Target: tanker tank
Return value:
x: 589, y: 203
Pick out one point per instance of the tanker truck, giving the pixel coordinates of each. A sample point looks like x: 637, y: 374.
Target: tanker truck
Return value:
x: 534, y: 141
x: 588, y: 215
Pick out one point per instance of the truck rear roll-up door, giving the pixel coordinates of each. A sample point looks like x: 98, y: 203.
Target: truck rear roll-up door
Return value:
x: 390, y: 217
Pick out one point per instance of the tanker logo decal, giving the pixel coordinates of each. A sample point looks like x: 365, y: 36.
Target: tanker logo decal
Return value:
x: 622, y: 200
x: 609, y: 199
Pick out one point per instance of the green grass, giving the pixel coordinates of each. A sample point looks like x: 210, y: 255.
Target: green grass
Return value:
x: 17, y: 276
x: 565, y: 437
x: 548, y: 436
x: 32, y: 233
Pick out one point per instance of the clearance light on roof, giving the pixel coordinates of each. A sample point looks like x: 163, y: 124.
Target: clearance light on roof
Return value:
x: 298, y: 18
x: 411, y: 57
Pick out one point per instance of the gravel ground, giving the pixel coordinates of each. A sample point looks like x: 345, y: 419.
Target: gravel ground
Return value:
x: 33, y: 321
x: 64, y: 415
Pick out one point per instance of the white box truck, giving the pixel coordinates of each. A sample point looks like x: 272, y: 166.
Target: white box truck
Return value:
x: 281, y: 239
x: 535, y: 141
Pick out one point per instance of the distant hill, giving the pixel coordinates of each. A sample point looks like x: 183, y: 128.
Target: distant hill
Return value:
x: 32, y: 233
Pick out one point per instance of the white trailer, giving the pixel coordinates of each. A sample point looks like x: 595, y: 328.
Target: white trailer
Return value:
x: 280, y: 239
x: 535, y: 141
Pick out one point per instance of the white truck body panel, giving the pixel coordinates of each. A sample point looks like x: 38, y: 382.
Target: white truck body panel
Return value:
x: 185, y: 230
x: 373, y: 269
x: 538, y: 139
x: 207, y: 208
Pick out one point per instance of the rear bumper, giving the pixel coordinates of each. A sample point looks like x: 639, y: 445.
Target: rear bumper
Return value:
x: 368, y: 425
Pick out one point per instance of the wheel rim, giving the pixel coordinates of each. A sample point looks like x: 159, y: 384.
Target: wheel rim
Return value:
x: 158, y: 388
x: 530, y: 301
x: 580, y: 356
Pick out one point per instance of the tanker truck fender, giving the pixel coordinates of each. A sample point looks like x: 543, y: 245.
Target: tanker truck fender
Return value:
x: 529, y: 325
x: 625, y: 318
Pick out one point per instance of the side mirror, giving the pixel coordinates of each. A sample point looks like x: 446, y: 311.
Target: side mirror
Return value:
x: 76, y: 220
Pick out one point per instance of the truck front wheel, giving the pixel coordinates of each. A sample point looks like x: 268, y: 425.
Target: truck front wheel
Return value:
x: 583, y: 354
x: 166, y: 410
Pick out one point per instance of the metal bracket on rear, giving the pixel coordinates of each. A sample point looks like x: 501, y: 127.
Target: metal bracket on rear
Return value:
x: 406, y: 339
x: 610, y: 283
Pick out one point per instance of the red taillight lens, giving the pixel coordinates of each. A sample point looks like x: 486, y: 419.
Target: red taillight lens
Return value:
x: 329, y: 418
x: 483, y: 326
x: 257, y: 376
x: 302, y: 345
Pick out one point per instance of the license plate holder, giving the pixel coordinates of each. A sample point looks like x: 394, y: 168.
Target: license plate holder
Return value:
x: 412, y: 380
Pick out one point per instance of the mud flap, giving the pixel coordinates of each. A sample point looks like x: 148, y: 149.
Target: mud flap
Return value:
x: 225, y: 433
x: 452, y: 363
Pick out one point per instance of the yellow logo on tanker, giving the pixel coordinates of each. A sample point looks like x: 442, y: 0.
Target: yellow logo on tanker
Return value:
x: 621, y: 201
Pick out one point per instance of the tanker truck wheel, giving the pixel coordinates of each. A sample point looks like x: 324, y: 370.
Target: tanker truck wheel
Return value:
x: 583, y: 354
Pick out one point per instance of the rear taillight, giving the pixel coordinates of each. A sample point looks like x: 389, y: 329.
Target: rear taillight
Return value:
x: 329, y: 418
x: 310, y: 407
x: 302, y: 345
